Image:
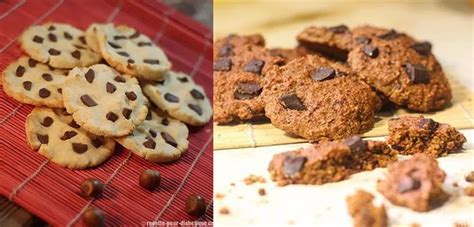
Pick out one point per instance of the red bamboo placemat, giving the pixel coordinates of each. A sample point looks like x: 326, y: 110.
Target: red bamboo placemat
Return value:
x: 50, y: 191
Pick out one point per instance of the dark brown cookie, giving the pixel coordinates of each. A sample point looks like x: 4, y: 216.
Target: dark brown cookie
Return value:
x: 315, y: 98
x: 224, y: 47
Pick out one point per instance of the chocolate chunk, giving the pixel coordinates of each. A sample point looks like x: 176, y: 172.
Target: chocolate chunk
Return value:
x: 20, y: 70
x: 44, y: 93
x: 117, y: 37
x: 93, y: 216
x: 427, y: 123
x: 417, y: 73
x: 52, y: 37
x: 152, y: 133
x: 47, y: 121
x: 222, y: 64
x: 356, y: 144
x: 293, y: 164
x: 27, y: 85
x: 92, y: 187
x: 370, y: 51
x: 254, y: 66
x: 135, y: 35
x: 114, y: 45
x: 148, y: 116
x: 126, y: 113
x: 151, y: 61
x: 83, y: 40
x: 363, y: 40
x: 51, y: 28
x: 88, y: 101
x: 165, y: 122
x: 141, y: 44
x: 423, y: 48
x: 110, y: 87
x: 67, y: 35
x: 196, y: 94
x: 125, y: 54
x: 149, y: 143
x: 32, y: 62
x: 391, y: 34
x: 37, y: 39
x: 111, y: 116
x: 73, y: 124
x: 292, y: 102
x: 90, y: 74
x: 76, y: 54
x: 195, y: 108
x: 79, y: 147
x: 119, y: 79
x: 68, y: 135
x: 44, y: 139
x: 47, y: 77
x: 97, y: 142
x: 183, y: 79
x: 323, y: 73
x: 408, y: 184
x: 150, y: 179
x: 195, y: 205
x: 339, y: 29
x: 130, y: 61
x: 131, y: 96
x: 169, y: 139
x: 171, y: 98
x: 54, y: 52
x: 226, y: 50
x: 247, y: 91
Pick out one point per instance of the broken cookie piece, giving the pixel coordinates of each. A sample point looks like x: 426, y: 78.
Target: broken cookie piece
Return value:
x: 363, y: 212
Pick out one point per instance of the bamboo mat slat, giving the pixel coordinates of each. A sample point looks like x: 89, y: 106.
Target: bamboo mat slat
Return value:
x: 50, y: 191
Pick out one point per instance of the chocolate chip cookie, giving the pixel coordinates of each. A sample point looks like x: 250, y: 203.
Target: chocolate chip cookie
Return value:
x: 315, y: 98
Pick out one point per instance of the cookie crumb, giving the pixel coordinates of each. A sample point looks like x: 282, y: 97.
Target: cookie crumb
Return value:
x: 224, y: 210
x: 363, y: 212
x: 470, y: 177
x: 252, y: 179
x: 469, y: 190
x: 220, y: 195
x: 262, y: 192
x: 455, y: 184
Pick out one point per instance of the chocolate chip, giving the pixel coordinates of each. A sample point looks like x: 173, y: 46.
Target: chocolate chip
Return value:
x: 92, y: 187
x: 130, y: 61
x: 119, y: 79
x: 183, y: 79
x: 226, y: 50
x: 292, y: 102
x: 417, y: 73
x: 88, y: 101
x: 423, y: 48
x: 68, y: 135
x: 47, y: 121
x: 93, y: 216
x: 131, y: 96
x: 150, y: 179
x: 44, y: 139
x: 152, y: 133
x: 196, y: 94
x: 254, y: 66
x: 408, y: 184
x: 51, y: 28
x: 117, y: 37
x: 44, y: 93
x: 79, y: 147
x: 141, y: 44
x: 339, y: 29
x: 126, y: 113
x: 222, y: 64
x: 27, y: 85
x: 110, y: 87
x: 20, y: 70
x: 195, y: 108
x: 47, y: 77
x: 37, y: 39
x: 171, y: 98
x: 125, y: 54
x: 356, y: 144
x: 135, y: 35
x: 83, y: 40
x: 90, y: 74
x: 54, y: 52
x: 363, y: 40
x: 391, y: 34
x: 293, y: 164
x: 370, y: 51
x: 149, y: 143
x: 169, y: 139
x: 32, y: 62
x: 52, y: 37
x: 427, y: 123
x: 323, y: 73
x: 148, y: 116
x: 67, y: 35
x: 247, y: 91
x: 114, y: 45
x: 111, y: 116
x: 165, y: 122
x: 195, y: 205
x: 97, y: 142
x: 73, y: 124
x: 76, y: 54
x: 151, y: 61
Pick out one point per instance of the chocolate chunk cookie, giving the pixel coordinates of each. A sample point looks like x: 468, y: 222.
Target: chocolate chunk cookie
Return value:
x: 315, y: 98
x: 364, y: 212
x: 415, y: 183
x: 238, y: 83
x: 416, y: 134
x: 224, y: 47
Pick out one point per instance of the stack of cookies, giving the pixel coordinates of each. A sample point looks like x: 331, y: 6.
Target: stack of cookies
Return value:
x: 331, y: 85
x: 84, y: 104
